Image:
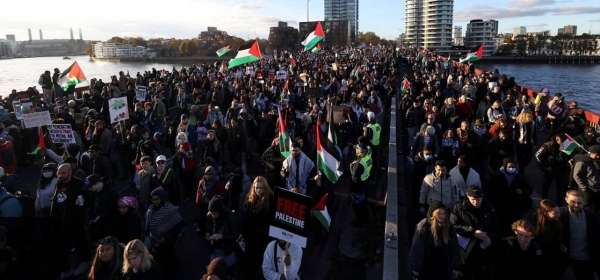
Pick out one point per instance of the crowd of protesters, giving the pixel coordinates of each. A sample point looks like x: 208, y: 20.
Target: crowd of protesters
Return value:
x: 471, y: 138
x: 113, y: 198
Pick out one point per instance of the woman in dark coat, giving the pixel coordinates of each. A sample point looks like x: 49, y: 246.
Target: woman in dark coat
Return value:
x: 509, y: 192
x: 549, y: 234
x: 434, y: 254
x: 108, y: 261
x: 138, y: 263
x: 128, y: 224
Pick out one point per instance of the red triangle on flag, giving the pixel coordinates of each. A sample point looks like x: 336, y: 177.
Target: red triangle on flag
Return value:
x: 320, y: 206
x: 319, y: 30
x: 254, y: 50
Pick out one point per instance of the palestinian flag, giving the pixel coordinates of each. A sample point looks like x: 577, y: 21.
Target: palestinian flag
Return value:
x: 223, y: 67
x: 314, y: 37
x: 71, y: 77
x: 475, y: 54
x: 329, y: 157
x: 320, y: 211
x: 41, y: 142
x: 405, y: 86
x: 222, y: 51
x: 568, y: 145
x: 285, y: 142
x: 247, y: 53
x: 316, y: 49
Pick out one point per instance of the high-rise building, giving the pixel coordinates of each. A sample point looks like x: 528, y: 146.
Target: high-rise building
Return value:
x: 519, y: 30
x: 339, y: 32
x: 10, y: 37
x: 342, y: 10
x: 570, y: 29
x: 429, y: 23
x: 80, y: 35
x: 30, y: 38
x: 41, y: 36
x: 71, y: 30
x: 283, y: 36
x: 482, y: 32
x: 457, y: 37
x: 561, y: 31
x: 212, y: 39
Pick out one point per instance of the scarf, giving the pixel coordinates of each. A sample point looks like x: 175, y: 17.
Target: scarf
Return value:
x: 447, y: 142
x: 162, y: 220
x: 298, y: 172
x: 208, y: 185
x: 509, y: 177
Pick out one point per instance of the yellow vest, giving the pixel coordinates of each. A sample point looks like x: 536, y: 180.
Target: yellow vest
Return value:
x: 367, y: 163
x: 376, y: 133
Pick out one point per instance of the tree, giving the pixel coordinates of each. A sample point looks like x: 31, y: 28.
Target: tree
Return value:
x: 137, y: 41
x: 89, y: 49
x: 115, y: 39
x: 368, y: 37
x: 188, y: 47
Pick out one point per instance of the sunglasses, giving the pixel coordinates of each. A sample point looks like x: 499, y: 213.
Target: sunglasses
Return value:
x: 161, y: 162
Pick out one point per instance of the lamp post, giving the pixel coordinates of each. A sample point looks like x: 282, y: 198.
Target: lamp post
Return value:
x: 307, y: 2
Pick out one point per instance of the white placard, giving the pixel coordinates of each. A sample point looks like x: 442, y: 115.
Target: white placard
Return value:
x: 250, y: 70
x: 37, y: 119
x: 61, y: 134
x: 140, y: 93
x: 17, y: 109
x: 281, y: 75
x: 118, y: 109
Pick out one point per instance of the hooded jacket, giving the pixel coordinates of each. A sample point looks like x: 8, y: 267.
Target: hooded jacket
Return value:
x: 435, y: 188
x: 586, y: 172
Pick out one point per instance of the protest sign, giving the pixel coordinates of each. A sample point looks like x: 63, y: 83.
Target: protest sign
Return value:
x: 338, y: 114
x: 281, y: 75
x: 17, y: 108
x: 140, y: 93
x: 292, y: 213
x: 37, y: 119
x: 61, y: 133
x: 118, y: 109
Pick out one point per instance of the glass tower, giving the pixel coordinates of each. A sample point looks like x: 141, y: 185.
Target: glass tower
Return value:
x: 343, y: 10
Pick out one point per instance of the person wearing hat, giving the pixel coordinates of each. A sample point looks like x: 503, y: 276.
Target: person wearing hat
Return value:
x: 103, y: 205
x: 127, y: 225
x: 103, y: 137
x: 221, y: 231
x: 435, y: 243
x: 586, y: 173
x: 360, y: 171
x: 427, y: 139
x: 214, y: 114
x: 476, y: 224
x: 373, y: 133
x: 165, y: 177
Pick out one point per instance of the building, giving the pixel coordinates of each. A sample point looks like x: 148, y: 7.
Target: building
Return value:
x: 211, y: 40
x: 457, y: 37
x: 29, y: 31
x: 52, y: 47
x: 498, y: 42
x: 570, y: 30
x: 343, y: 10
x: 519, y: 30
x: 283, y: 36
x: 10, y: 37
x: 482, y: 32
x: 429, y: 23
x: 561, y: 31
x: 544, y: 33
x: 117, y: 50
x: 339, y: 32
x: 8, y: 48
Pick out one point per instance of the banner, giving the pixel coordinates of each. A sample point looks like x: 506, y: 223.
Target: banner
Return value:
x: 292, y: 213
x: 281, y: 75
x: 61, y: 133
x: 140, y: 93
x: 118, y: 109
x: 37, y: 119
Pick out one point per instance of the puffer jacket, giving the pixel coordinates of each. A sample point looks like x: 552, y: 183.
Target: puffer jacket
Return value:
x: 442, y: 189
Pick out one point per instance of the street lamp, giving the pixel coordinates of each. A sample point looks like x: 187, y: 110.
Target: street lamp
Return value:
x: 307, y: 1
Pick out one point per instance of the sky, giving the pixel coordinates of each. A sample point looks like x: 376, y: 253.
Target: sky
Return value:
x: 184, y: 19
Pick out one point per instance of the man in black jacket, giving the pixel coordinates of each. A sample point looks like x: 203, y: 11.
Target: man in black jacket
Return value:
x: 581, y: 229
x: 476, y: 224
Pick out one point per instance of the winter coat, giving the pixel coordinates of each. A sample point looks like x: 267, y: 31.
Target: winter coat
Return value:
x: 442, y: 189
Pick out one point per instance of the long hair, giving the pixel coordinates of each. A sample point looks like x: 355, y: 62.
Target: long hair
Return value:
x: 260, y: 202
x: 545, y: 206
x: 116, y: 262
x: 525, y: 117
x: 136, y: 247
x: 435, y: 226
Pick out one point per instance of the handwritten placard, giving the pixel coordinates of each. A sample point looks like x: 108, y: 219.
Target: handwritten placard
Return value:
x: 61, y: 133
x: 141, y: 93
x: 37, y: 119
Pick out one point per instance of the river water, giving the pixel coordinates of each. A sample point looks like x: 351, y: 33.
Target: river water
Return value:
x: 579, y: 82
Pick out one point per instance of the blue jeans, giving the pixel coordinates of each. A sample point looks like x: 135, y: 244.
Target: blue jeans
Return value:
x: 230, y: 259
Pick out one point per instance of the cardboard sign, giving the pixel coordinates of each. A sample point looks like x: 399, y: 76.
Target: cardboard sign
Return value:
x: 61, y: 134
x: 292, y: 213
x: 140, y: 93
x: 118, y: 109
x: 37, y: 119
x: 338, y: 114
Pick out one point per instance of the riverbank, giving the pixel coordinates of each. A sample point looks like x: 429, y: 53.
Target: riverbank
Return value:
x: 162, y: 59
x: 554, y: 59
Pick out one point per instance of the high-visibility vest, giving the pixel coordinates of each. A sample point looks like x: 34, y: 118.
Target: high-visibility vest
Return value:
x: 366, y: 163
x: 376, y: 133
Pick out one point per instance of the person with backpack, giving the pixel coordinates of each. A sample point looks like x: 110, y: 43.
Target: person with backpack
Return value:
x: 556, y: 108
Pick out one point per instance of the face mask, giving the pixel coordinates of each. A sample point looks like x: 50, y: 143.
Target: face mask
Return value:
x: 511, y: 170
x: 145, y: 136
x: 428, y: 157
x: 48, y: 174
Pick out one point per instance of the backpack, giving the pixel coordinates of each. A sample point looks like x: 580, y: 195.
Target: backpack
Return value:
x: 556, y: 108
x: 27, y: 203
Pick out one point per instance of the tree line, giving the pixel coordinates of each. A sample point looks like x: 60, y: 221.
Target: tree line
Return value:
x: 567, y: 44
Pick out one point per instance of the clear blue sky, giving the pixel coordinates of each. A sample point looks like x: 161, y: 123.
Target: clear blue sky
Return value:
x: 251, y: 18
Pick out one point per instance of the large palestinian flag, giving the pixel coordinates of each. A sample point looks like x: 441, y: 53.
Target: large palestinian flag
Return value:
x: 285, y: 142
x: 246, y: 54
x: 329, y: 157
x: 222, y: 51
x: 71, y: 77
x: 320, y: 211
x: 314, y: 37
x: 475, y: 54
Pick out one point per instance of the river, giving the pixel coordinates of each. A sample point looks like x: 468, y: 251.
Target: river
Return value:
x: 579, y: 82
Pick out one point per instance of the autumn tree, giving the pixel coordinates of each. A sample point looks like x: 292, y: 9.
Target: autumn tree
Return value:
x: 188, y: 47
x: 368, y: 37
x: 115, y: 39
x: 89, y: 49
